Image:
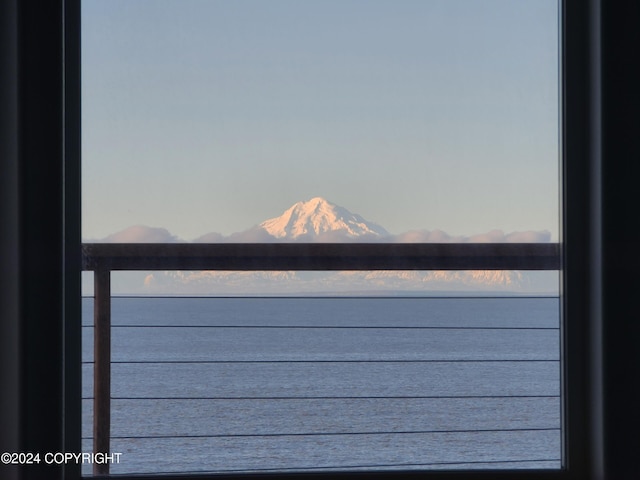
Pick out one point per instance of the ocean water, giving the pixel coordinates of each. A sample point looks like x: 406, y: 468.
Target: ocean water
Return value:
x: 300, y: 384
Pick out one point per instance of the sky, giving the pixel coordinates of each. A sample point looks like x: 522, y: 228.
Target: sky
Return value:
x: 206, y: 116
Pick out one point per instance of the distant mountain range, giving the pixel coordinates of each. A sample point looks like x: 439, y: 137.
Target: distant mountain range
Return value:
x: 348, y: 283
x: 318, y: 220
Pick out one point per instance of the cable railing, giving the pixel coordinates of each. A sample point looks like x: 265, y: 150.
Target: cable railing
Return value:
x: 104, y: 258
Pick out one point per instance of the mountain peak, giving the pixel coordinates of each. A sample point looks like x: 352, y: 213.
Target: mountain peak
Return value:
x: 317, y: 217
x: 316, y: 201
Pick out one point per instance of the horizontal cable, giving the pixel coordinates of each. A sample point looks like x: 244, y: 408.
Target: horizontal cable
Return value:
x: 331, y: 327
x: 330, y: 434
x: 369, y: 466
x: 488, y: 296
x: 215, y: 362
x: 374, y: 397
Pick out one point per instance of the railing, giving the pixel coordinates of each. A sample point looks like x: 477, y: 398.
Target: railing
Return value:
x: 104, y: 258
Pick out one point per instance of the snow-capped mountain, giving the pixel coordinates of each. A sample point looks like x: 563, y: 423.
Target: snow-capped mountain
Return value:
x: 319, y: 219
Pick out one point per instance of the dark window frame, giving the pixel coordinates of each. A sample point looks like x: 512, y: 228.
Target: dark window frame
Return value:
x: 41, y: 133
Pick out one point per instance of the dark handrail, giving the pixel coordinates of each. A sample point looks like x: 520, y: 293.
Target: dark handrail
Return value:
x: 321, y: 256
x: 102, y: 258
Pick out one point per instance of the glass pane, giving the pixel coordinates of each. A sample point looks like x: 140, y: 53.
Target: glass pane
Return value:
x: 350, y: 121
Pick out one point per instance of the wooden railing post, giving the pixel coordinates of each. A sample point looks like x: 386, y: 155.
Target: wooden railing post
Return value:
x: 102, y: 367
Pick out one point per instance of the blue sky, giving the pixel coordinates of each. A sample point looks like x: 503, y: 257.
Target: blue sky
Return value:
x: 213, y: 115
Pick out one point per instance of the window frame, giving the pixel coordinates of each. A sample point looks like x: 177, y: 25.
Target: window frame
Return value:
x: 47, y: 115
x: 579, y: 389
